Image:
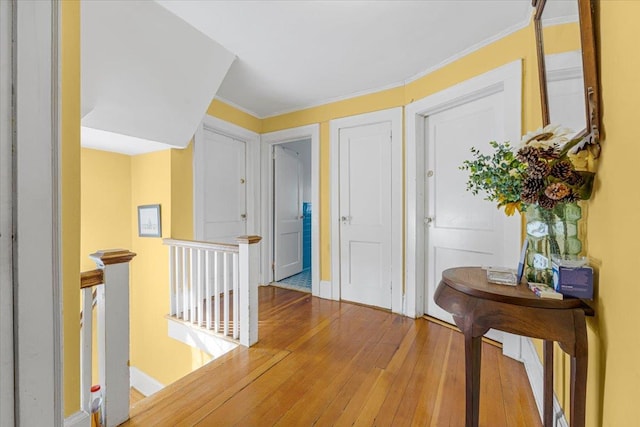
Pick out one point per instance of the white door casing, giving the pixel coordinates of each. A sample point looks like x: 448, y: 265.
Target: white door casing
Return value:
x: 366, y: 189
x: 37, y: 213
x: 269, y: 140
x: 225, y: 157
x: 6, y: 223
x: 506, y: 79
x: 287, y: 213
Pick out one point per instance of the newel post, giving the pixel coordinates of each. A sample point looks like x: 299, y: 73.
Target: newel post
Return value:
x: 249, y: 258
x: 113, y: 332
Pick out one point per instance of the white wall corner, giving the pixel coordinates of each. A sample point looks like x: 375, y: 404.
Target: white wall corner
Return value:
x: 79, y: 419
x: 143, y: 382
x: 535, y: 373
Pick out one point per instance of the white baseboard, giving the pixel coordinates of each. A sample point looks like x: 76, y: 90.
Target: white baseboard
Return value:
x: 143, y: 382
x: 326, y: 290
x: 79, y: 419
x: 200, y: 339
x: 535, y: 372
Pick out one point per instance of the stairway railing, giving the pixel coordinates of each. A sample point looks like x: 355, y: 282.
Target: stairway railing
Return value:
x: 215, y: 286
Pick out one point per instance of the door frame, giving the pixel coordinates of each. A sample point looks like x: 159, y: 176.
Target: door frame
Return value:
x: 37, y: 212
x: 393, y: 115
x: 252, y: 172
x: 268, y: 141
x: 507, y: 79
x: 6, y: 223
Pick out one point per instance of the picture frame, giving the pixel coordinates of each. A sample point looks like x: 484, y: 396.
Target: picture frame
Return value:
x: 149, y: 221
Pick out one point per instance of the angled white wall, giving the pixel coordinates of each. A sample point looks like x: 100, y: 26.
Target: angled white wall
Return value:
x: 145, y: 72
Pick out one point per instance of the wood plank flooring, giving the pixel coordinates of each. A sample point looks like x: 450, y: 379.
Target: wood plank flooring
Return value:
x: 328, y: 363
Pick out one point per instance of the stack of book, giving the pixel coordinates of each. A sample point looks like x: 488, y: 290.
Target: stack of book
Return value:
x: 544, y: 291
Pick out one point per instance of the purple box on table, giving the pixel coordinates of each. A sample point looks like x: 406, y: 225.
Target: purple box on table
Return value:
x: 573, y: 281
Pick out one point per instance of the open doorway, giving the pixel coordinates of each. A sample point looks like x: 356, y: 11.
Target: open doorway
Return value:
x: 310, y: 134
x: 292, y: 214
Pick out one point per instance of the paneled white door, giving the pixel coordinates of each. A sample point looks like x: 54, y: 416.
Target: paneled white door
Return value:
x: 462, y: 229
x: 225, y: 204
x: 365, y: 214
x: 287, y: 213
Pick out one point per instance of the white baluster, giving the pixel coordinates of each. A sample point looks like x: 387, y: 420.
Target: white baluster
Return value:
x: 207, y: 274
x: 225, y: 314
x: 236, y: 298
x: 217, y: 286
x: 86, y: 349
x: 172, y: 281
x: 185, y: 287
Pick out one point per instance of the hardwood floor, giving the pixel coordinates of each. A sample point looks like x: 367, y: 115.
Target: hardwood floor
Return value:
x: 135, y: 396
x: 328, y: 363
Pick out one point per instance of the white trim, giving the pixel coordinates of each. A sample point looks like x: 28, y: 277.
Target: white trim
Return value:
x: 37, y: 216
x: 486, y: 42
x: 252, y: 141
x: 535, y: 373
x: 393, y: 115
x: 268, y: 141
x: 143, y: 382
x: 6, y: 223
x: 507, y: 78
x: 79, y: 419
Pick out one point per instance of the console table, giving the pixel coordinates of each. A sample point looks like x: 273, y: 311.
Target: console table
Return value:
x: 478, y: 306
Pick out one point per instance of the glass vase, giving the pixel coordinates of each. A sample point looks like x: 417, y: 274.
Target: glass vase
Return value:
x: 552, y: 233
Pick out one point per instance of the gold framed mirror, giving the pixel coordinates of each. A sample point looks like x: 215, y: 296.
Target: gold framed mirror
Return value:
x: 567, y: 67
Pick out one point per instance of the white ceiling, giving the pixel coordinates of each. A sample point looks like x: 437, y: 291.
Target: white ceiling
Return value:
x: 297, y: 54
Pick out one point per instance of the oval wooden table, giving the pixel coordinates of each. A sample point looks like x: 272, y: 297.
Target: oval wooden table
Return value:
x: 478, y: 306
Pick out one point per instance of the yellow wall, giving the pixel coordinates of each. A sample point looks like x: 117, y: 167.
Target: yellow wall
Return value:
x: 614, y: 344
x: 70, y: 157
x: 106, y: 203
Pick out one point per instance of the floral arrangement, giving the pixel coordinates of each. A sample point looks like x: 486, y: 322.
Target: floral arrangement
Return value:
x: 539, y: 172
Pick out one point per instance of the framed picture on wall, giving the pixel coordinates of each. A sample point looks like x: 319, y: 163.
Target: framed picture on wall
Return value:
x: 149, y: 224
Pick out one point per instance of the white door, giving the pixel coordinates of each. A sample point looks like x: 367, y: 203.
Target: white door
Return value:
x: 225, y: 215
x: 462, y: 229
x: 365, y: 214
x: 287, y: 213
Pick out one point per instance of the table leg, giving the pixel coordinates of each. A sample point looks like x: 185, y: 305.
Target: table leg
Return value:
x: 579, y: 373
x: 548, y: 383
x: 473, y: 356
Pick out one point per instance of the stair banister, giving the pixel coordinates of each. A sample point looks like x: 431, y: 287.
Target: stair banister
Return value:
x: 113, y: 332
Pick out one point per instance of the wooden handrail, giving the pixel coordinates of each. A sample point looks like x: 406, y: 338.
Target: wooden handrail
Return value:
x: 230, y: 245
x: 91, y: 278
x: 195, y: 244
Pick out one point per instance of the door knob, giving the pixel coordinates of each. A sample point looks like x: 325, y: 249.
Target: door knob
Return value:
x: 243, y: 217
x: 428, y: 220
x: 345, y: 218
